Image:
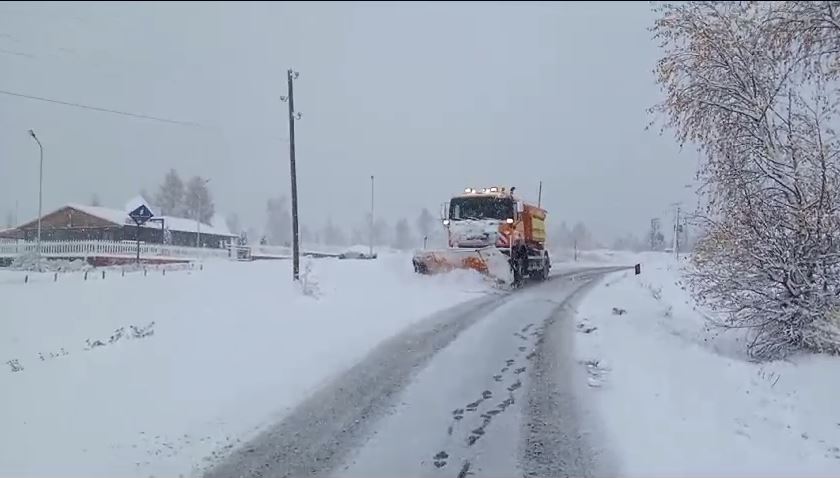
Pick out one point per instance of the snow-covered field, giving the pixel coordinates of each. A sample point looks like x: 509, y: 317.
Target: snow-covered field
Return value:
x: 163, y: 374
x: 158, y: 374
x: 676, y: 398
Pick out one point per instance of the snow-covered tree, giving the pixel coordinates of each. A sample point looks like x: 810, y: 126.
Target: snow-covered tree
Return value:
x: 170, y: 196
x: 252, y: 235
x: 94, y: 200
x: 233, y: 224
x: 627, y: 242
x: 561, y: 236
x: 655, y: 238
x: 380, y: 232
x: 305, y: 235
x: 357, y: 237
x: 754, y: 85
x: 10, y: 220
x: 198, y: 202
x: 333, y: 235
x: 381, y: 235
x: 581, y: 237
x: 403, y: 239
x: 278, y: 226
x: 425, y: 223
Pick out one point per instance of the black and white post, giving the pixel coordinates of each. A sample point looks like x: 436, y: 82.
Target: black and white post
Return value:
x: 677, y: 231
x: 370, y: 226
x: 293, y: 115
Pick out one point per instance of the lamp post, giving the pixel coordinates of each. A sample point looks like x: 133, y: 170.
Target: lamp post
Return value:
x: 198, y: 216
x: 40, y: 191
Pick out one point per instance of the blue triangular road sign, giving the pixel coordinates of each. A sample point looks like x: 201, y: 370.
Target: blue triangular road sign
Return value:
x: 141, y: 214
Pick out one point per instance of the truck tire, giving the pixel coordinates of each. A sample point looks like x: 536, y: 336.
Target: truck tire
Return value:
x: 541, y: 274
x: 545, y: 271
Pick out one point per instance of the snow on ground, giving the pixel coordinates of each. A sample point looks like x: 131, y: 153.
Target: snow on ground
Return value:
x: 563, y: 260
x: 676, y: 397
x: 162, y: 374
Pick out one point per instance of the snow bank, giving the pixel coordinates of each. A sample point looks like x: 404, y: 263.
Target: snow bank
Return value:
x: 678, y: 398
x: 163, y: 374
x: 31, y: 262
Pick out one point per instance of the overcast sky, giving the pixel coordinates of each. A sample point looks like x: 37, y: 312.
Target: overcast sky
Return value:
x: 428, y: 97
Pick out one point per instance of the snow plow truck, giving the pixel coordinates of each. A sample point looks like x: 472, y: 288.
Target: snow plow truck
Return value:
x: 493, y: 232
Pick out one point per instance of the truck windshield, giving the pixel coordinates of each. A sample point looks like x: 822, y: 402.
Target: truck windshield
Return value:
x: 482, y: 207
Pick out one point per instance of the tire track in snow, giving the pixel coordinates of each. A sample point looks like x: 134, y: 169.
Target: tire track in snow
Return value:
x: 535, y: 409
x: 555, y: 444
x: 319, y: 433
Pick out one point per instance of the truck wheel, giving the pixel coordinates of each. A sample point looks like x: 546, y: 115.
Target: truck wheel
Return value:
x: 546, y: 268
x: 542, y: 273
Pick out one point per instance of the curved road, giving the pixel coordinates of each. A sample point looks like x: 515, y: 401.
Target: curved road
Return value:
x: 484, y: 388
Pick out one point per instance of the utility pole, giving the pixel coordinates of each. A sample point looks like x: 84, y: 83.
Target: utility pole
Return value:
x: 40, y: 193
x: 291, y: 76
x: 370, y: 226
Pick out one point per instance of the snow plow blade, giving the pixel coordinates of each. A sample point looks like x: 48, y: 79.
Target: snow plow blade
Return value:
x: 488, y: 261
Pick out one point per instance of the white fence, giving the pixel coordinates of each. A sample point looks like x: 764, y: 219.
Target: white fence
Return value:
x: 83, y: 249
x: 108, y: 248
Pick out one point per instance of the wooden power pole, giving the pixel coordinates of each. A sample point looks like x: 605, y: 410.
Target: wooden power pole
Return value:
x: 292, y: 75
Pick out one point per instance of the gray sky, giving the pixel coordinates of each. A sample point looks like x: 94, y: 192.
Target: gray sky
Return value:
x: 429, y: 97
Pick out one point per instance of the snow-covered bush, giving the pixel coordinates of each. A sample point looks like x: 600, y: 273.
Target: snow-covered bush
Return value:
x: 755, y: 86
x: 29, y: 261
x: 308, y: 282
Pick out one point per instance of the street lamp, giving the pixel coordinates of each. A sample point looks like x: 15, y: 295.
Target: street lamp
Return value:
x: 198, y: 216
x: 40, y: 191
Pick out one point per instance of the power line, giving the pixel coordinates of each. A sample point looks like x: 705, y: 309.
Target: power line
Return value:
x: 96, y: 108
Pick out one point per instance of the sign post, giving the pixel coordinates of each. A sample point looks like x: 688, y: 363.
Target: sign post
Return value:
x: 141, y: 215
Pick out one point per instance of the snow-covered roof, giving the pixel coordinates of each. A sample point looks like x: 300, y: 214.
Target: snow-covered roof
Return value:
x: 136, y: 202
x: 113, y: 215
x: 172, y: 223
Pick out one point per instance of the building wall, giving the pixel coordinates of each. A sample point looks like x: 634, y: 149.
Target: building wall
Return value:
x: 68, y: 224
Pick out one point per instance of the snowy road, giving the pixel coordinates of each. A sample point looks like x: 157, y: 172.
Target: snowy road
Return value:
x: 482, y: 388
